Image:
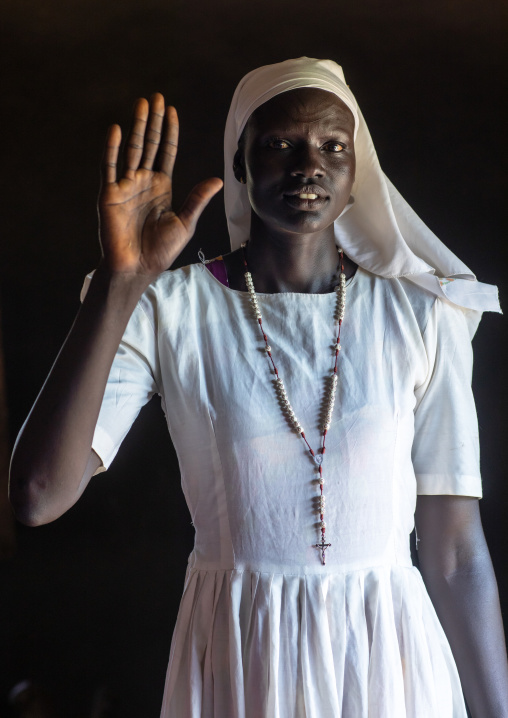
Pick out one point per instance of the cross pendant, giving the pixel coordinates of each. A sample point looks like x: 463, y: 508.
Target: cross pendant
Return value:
x: 322, y: 547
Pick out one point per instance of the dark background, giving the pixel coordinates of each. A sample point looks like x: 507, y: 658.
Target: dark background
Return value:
x: 90, y: 601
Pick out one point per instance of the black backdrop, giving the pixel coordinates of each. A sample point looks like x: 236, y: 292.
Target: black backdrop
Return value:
x: 90, y: 600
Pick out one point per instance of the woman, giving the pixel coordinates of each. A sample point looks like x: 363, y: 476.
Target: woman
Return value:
x: 328, y: 329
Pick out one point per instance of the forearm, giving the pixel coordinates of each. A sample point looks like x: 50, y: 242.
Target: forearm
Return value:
x: 467, y: 604
x: 52, y: 456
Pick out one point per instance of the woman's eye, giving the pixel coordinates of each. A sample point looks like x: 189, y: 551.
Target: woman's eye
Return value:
x: 278, y: 144
x: 335, y: 146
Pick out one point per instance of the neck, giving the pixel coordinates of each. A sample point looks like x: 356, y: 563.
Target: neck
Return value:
x: 293, y: 263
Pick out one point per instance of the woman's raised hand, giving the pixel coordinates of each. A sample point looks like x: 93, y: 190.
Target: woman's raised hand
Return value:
x: 139, y: 231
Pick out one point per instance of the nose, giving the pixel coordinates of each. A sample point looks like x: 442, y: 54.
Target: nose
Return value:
x: 308, y: 163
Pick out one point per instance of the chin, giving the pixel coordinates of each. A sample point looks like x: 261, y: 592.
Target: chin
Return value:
x: 306, y: 225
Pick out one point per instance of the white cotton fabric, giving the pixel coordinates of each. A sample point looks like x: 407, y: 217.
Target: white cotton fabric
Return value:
x: 378, y: 230
x: 264, y: 630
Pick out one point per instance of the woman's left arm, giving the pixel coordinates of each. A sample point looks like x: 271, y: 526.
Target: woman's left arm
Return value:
x: 457, y: 570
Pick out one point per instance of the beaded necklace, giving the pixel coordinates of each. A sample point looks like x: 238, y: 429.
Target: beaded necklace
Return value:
x: 330, y: 394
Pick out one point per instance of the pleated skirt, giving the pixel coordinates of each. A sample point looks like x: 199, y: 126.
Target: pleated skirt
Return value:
x: 359, y: 644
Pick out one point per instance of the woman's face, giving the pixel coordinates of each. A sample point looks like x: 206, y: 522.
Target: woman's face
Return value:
x: 299, y: 161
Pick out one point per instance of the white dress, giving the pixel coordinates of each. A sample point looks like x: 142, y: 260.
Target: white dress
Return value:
x: 264, y: 629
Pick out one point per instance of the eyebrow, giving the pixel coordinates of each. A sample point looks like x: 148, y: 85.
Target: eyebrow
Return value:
x: 287, y: 130
x: 329, y: 121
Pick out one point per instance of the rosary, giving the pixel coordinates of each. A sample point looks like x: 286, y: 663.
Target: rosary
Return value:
x: 331, y: 383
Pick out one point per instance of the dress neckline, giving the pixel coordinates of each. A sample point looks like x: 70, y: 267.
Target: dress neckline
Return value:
x: 226, y: 288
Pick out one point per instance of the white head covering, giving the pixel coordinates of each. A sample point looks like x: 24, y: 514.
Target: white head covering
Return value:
x: 378, y: 229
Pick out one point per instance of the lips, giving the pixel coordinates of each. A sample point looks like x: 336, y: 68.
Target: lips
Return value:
x: 306, y: 190
x: 306, y: 197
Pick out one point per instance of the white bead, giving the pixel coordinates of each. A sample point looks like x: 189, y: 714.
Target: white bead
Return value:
x: 321, y: 481
x: 268, y: 348
x: 337, y: 348
x: 323, y: 525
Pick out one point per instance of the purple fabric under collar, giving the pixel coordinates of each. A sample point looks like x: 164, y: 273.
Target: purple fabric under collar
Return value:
x: 218, y: 268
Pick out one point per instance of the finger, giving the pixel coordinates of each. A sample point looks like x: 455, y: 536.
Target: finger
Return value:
x: 197, y: 201
x: 169, y: 145
x: 136, y: 138
x: 153, y: 131
x: 110, y: 154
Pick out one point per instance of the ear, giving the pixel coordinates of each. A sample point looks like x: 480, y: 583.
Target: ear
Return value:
x: 239, y: 166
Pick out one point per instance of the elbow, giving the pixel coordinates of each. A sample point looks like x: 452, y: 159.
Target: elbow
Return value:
x: 27, y: 502
x: 26, y: 512
x: 28, y: 517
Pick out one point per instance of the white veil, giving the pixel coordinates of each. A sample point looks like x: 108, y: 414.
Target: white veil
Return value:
x: 378, y: 230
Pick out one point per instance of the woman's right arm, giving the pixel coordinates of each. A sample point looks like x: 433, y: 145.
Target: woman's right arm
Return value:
x: 141, y: 237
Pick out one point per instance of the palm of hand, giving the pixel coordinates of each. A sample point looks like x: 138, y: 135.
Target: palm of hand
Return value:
x: 140, y: 233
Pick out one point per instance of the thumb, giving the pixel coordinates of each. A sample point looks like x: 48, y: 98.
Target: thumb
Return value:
x: 196, y: 202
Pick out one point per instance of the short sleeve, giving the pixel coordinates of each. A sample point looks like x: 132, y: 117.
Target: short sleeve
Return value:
x: 446, y: 447
x: 132, y: 382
